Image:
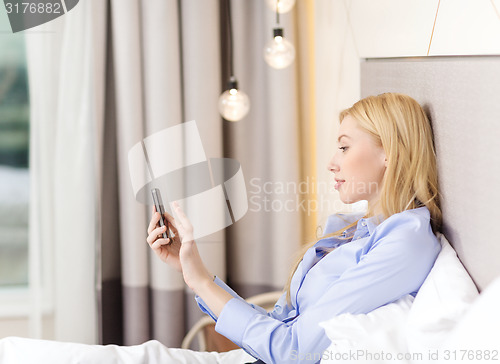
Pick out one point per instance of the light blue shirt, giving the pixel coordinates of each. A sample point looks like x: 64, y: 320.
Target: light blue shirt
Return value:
x: 382, y: 263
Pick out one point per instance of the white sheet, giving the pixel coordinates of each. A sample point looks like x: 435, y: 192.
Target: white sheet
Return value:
x: 14, y: 350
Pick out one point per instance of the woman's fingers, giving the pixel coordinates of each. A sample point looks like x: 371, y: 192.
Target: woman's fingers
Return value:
x: 154, y: 222
x: 185, y: 226
x: 171, y: 221
x: 153, y: 235
x: 182, y: 216
x: 159, y: 243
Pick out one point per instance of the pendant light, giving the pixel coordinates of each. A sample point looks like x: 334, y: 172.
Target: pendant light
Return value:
x: 279, y: 53
x: 284, y: 6
x: 234, y: 104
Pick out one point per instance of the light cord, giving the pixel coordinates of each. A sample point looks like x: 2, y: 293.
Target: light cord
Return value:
x: 277, y: 12
x: 230, y: 39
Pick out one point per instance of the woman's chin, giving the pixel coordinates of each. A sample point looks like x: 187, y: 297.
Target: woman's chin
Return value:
x: 348, y: 199
x: 345, y: 200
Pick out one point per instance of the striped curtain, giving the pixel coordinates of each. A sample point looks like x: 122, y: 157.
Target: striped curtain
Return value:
x: 165, y: 65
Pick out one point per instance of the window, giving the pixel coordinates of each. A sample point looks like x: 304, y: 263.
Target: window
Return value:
x: 14, y: 159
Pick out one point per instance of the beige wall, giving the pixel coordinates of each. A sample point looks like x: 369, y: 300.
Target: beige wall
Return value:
x: 348, y: 31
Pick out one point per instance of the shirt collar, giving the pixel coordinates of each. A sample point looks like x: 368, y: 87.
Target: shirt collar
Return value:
x: 374, y: 221
x: 370, y: 222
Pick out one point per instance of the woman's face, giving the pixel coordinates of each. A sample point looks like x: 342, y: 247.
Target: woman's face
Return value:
x: 359, y: 162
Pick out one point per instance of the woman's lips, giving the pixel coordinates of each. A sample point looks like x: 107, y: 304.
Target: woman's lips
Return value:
x: 337, y: 185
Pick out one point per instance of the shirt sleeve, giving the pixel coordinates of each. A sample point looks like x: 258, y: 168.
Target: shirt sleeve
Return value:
x: 276, y: 313
x: 395, y: 265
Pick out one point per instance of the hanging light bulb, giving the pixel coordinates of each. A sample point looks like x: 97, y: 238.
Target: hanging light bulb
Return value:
x: 283, y: 6
x: 234, y: 104
x: 279, y: 53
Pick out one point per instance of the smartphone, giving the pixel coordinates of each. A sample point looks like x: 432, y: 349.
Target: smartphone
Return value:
x: 159, y: 208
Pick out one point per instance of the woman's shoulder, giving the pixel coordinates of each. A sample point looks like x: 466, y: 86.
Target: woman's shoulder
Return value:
x: 414, y: 219
x: 411, y: 229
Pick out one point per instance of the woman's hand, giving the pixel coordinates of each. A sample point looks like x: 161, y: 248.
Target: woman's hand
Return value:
x: 169, y: 253
x: 183, y: 253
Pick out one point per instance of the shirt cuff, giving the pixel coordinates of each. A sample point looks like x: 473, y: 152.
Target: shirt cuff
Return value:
x: 234, y: 319
x: 203, y: 306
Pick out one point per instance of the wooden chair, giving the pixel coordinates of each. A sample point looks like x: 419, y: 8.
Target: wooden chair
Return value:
x: 210, y: 340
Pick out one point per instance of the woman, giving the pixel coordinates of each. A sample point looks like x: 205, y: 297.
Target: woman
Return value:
x: 385, y: 156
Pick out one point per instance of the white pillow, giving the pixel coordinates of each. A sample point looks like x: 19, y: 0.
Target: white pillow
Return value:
x: 442, y: 301
x: 477, y: 337
x: 403, y: 328
x: 362, y: 338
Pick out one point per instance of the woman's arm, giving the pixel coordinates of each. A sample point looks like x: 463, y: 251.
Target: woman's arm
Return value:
x: 279, y: 312
x: 397, y: 264
x: 214, y: 296
x: 182, y: 253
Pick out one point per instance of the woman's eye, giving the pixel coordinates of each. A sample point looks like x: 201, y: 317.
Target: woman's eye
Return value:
x: 343, y: 148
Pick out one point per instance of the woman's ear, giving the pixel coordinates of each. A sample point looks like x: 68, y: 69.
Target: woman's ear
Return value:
x: 384, y: 156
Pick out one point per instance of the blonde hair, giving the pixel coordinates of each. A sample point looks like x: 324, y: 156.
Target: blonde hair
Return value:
x: 398, y: 124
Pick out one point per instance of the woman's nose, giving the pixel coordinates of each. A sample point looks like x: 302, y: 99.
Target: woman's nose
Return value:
x: 332, y: 166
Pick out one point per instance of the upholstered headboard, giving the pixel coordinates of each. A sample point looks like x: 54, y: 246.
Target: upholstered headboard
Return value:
x: 461, y: 95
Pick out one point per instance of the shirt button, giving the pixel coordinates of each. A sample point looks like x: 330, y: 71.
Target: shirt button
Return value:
x: 363, y: 223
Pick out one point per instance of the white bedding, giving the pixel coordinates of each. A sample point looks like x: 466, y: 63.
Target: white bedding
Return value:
x: 430, y: 323
x: 404, y: 332
x: 15, y: 350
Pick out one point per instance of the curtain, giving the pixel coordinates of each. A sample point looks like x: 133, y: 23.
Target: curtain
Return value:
x: 167, y: 66
x: 66, y: 109
x: 160, y: 55
x: 276, y: 145
x: 129, y: 70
